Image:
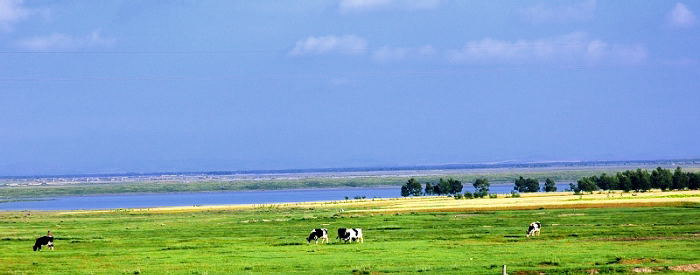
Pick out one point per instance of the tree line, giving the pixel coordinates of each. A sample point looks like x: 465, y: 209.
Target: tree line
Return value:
x: 640, y: 180
x: 524, y: 185
x: 448, y: 186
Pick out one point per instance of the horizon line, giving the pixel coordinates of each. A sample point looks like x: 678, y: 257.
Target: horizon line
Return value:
x: 422, y: 167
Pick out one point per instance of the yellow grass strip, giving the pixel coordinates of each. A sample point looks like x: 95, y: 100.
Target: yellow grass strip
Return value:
x: 434, y: 203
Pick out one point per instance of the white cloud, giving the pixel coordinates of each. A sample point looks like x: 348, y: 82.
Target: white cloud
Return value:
x: 574, y: 48
x: 11, y: 12
x: 58, y: 41
x: 388, y: 54
x: 681, y: 17
x: 346, y: 44
x: 373, y: 5
x: 575, y: 12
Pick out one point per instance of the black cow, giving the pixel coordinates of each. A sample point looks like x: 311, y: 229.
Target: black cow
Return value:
x: 45, y: 240
x: 534, y: 229
x: 350, y: 234
x: 318, y: 233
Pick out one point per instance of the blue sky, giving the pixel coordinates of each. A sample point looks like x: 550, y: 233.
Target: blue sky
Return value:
x: 138, y: 86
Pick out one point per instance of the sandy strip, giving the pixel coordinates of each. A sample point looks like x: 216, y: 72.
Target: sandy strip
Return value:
x: 439, y: 204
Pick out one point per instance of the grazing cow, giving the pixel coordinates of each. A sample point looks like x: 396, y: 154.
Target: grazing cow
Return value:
x: 45, y: 240
x: 534, y: 229
x: 350, y: 234
x: 318, y: 233
x: 341, y: 233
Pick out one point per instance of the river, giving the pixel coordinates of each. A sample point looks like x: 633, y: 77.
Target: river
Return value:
x: 141, y: 200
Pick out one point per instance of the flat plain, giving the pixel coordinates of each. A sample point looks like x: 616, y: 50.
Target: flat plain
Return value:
x: 602, y: 232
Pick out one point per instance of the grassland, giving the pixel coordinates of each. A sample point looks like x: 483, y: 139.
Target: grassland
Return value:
x: 599, y: 232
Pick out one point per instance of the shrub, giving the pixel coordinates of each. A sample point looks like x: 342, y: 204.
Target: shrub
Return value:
x: 515, y: 194
x: 458, y: 196
x: 493, y: 196
x: 468, y: 195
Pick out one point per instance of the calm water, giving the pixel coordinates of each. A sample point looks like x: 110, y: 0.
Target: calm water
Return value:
x: 214, y: 198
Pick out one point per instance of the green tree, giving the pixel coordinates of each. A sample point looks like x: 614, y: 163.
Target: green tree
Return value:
x: 456, y: 186
x: 481, y: 187
x: 404, y: 191
x: 661, y: 178
x: 606, y: 182
x: 625, y: 183
x: 428, y: 189
x: 574, y: 187
x: 533, y: 185
x: 445, y: 187
x: 550, y: 185
x: 415, y: 187
x: 437, y: 190
x: 609, y: 181
x: 587, y: 184
x: 680, y: 179
x: 693, y: 181
x: 411, y: 188
x: 526, y: 185
x: 644, y: 180
x: 519, y: 184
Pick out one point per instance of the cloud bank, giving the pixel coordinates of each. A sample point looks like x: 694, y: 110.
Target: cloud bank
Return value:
x: 319, y: 45
x: 575, y: 12
x: 58, y: 41
x: 681, y: 17
x: 348, y: 6
x: 11, y: 12
x: 574, y: 48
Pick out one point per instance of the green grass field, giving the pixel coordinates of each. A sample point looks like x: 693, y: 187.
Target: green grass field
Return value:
x: 270, y: 239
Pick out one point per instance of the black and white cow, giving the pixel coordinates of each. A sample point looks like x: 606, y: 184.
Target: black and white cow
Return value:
x: 45, y: 240
x: 350, y: 235
x: 534, y: 229
x: 318, y: 233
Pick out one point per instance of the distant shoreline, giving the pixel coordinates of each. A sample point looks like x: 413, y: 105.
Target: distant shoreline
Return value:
x: 58, y: 187
x: 380, y: 169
